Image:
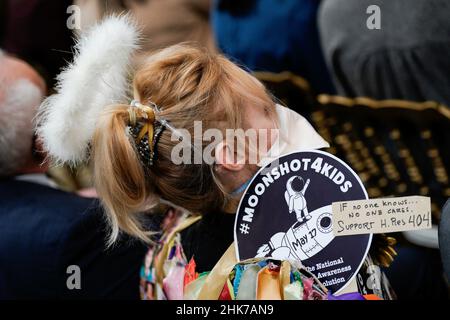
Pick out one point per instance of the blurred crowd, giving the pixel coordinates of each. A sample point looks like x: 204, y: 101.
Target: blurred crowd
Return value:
x: 49, y: 221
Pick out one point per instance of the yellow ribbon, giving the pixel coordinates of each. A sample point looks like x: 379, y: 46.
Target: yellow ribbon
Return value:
x: 149, y: 126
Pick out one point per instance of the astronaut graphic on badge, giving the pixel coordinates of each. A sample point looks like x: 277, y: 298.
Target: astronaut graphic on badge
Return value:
x: 295, y: 197
x: 311, y: 233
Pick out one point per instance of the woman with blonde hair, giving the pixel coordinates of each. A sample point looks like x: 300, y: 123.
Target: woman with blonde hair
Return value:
x: 135, y: 149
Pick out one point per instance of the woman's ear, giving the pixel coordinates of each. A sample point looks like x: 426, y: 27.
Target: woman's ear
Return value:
x: 226, y: 159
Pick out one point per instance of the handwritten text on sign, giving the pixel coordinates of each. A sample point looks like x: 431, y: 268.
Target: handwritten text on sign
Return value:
x: 381, y: 215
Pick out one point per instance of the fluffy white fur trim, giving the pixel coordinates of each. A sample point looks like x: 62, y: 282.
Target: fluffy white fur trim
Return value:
x: 98, y: 77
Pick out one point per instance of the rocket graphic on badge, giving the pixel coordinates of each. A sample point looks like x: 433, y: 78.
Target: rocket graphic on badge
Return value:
x: 309, y: 235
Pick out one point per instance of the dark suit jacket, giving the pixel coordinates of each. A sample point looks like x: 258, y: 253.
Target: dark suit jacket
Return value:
x: 43, y: 231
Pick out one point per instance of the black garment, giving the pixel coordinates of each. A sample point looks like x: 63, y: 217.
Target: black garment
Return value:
x: 208, y: 239
x: 43, y: 231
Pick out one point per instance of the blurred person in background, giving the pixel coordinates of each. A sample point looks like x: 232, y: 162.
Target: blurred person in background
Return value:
x: 273, y: 35
x: 36, y: 30
x: 43, y: 230
x: 164, y: 23
x: 407, y: 58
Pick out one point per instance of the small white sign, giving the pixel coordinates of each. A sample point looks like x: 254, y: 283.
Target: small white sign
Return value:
x: 382, y: 215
